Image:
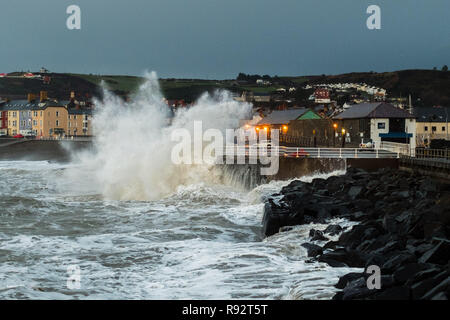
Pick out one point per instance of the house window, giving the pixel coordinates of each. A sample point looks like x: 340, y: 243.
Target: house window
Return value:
x: 425, y: 128
x: 381, y: 125
x: 57, y: 113
x: 57, y: 123
x: 34, y: 123
x: 433, y: 129
x: 74, y: 117
x: 443, y: 129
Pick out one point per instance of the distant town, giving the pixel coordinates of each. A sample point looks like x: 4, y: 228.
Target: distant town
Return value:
x: 315, y: 111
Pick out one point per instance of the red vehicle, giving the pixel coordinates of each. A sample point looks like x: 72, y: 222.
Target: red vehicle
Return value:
x: 18, y: 136
x: 301, y: 153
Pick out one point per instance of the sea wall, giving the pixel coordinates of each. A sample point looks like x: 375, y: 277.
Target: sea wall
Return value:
x: 40, y: 150
x: 249, y: 175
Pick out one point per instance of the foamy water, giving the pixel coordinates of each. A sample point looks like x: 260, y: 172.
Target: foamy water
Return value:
x: 202, y: 241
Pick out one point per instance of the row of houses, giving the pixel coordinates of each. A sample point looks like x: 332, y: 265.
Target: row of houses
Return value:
x: 379, y: 122
x: 45, y: 118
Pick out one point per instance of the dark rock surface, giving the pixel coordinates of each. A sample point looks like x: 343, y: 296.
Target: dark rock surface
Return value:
x: 404, y: 227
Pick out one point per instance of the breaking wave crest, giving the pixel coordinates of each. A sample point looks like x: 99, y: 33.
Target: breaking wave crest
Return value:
x: 132, y: 157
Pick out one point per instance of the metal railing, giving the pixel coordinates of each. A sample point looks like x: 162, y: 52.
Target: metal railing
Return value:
x: 423, y: 153
x: 301, y: 152
x: 401, y: 148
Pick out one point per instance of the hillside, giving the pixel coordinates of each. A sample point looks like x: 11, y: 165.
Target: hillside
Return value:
x: 427, y: 87
x: 431, y: 86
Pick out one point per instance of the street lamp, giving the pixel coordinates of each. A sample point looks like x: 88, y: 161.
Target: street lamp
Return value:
x: 343, y: 137
x: 335, y: 133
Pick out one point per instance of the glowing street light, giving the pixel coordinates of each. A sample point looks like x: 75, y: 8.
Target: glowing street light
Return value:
x: 343, y: 137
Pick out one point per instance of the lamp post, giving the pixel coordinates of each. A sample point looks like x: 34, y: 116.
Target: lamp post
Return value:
x: 343, y: 138
x: 314, y: 138
x: 335, y: 133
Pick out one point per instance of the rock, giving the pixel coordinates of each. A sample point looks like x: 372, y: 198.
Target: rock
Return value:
x: 333, y: 229
x: 440, y: 296
x: 330, y: 245
x: 397, y: 261
x: 421, y: 288
x: 356, y: 289
x: 395, y: 293
x: 363, y: 204
x: 345, y: 279
x: 286, y: 229
x: 408, y: 271
x: 438, y: 293
x: 276, y: 217
x: 317, y: 235
x: 355, y: 191
x: 352, y: 237
x: 428, y: 185
x: 440, y: 254
x: 401, y: 194
x: 342, y: 257
x: 312, y: 249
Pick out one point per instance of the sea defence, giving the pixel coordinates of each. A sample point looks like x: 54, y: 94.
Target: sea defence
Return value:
x: 41, y: 150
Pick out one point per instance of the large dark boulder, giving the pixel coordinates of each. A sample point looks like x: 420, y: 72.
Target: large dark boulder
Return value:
x: 350, y: 258
x: 395, y: 293
x: 312, y: 249
x: 420, y: 289
x: 408, y: 271
x: 276, y: 217
x: 345, y: 279
x: 357, y: 289
x: 317, y: 235
x: 333, y: 229
x: 439, y: 254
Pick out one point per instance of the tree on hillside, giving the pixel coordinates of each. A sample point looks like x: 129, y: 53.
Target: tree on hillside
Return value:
x: 445, y: 68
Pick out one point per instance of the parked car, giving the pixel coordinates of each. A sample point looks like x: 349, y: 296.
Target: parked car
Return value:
x: 301, y: 153
x: 19, y: 136
x: 367, y: 144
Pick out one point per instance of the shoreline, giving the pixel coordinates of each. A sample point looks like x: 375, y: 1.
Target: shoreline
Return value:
x: 403, y: 228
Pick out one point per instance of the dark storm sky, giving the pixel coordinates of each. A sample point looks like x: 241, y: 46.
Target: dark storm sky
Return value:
x: 218, y: 39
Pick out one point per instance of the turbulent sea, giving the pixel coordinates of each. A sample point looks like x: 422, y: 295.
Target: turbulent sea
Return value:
x: 202, y: 241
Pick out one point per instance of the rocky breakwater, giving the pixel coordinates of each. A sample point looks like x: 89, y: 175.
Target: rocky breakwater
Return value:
x: 402, y: 227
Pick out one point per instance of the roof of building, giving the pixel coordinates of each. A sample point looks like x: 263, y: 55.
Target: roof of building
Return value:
x: 432, y: 114
x: 87, y: 111
x: 35, y: 105
x: 373, y: 110
x: 283, y: 116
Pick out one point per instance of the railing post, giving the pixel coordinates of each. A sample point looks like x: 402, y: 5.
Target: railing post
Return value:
x: 340, y: 153
x: 356, y: 153
x: 318, y: 153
